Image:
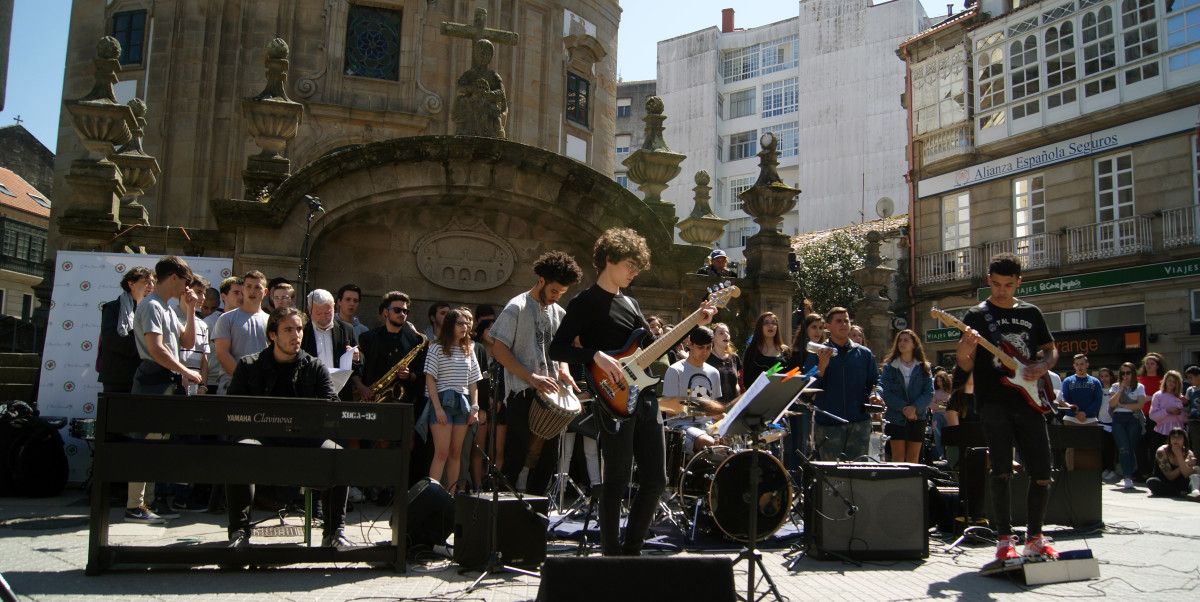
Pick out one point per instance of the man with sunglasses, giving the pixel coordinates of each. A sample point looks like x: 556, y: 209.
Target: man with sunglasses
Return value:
x: 1007, y: 419
x: 383, y: 347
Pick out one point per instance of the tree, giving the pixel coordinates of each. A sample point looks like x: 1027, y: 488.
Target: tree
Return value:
x: 823, y: 271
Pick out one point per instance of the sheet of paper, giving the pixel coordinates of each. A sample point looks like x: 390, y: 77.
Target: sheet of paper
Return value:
x: 340, y: 378
x: 731, y: 416
x: 347, y: 359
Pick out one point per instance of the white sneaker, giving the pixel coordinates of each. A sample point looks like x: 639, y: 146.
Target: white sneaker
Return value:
x: 1129, y: 483
x: 356, y: 495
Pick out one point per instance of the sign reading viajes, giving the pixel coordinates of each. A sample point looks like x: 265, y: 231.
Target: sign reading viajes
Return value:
x: 83, y: 282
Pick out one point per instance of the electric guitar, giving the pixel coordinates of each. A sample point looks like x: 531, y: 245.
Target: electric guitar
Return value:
x: 621, y: 397
x: 1037, y: 394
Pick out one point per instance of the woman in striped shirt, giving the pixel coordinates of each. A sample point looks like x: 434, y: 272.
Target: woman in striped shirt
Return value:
x: 451, y: 374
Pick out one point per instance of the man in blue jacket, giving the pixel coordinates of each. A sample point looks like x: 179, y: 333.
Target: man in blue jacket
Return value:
x: 847, y: 381
x: 1083, y: 391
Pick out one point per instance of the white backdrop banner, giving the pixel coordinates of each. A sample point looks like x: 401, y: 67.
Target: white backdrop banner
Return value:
x: 82, y: 283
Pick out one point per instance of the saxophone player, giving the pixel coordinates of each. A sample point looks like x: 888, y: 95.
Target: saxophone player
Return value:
x: 383, y: 347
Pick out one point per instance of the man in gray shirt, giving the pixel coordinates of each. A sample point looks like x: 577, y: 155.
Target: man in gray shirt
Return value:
x: 242, y: 331
x: 159, y: 335
x: 523, y: 331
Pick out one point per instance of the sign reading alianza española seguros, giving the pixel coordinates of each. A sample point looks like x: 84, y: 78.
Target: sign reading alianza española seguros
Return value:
x: 1079, y: 282
x: 1094, y: 143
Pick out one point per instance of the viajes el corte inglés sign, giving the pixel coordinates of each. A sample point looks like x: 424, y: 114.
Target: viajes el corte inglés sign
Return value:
x: 1077, y: 282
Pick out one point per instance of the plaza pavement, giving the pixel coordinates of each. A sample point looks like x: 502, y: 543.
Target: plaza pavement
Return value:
x: 1150, y: 550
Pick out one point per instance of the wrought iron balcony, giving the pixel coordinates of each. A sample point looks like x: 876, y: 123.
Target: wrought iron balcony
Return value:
x: 947, y: 266
x: 1116, y: 238
x: 1036, y: 251
x: 1180, y: 227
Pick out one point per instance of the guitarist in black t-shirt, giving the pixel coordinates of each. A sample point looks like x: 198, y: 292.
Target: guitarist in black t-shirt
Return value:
x: 1008, y: 413
x: 604, y: 318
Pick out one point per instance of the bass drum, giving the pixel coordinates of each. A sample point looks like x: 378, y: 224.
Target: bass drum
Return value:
x: 721, y: 477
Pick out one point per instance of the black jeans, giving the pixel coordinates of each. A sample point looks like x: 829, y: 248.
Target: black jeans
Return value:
x: 516, y: 445
x: 639, y: 438
x: 1006, y: 424
x: 240, y: 499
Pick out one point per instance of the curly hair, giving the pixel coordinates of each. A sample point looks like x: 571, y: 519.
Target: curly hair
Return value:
x: 619, y: 244
x: 556, y: 266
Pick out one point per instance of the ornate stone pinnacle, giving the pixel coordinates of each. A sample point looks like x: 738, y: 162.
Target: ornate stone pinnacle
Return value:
x: 138, y: 107
x: 654, y: 125
x: 701, y: 227
x: 702, y: 196
x: 276, y: 62
x: 107, y: 63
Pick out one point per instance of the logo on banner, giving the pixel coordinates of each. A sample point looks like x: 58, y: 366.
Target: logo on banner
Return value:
x: 225, y: 273
x: 68, y: 386
x: 89, y: 407
x: 67, y: 325
x: 50, y: 364
x: 66, y: 266
x: 962, y: 177
x: 120, y: 268
x: 85, y: 286
x: 86, y: 345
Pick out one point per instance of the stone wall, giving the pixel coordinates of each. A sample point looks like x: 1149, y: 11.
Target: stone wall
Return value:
x: 28, y: 158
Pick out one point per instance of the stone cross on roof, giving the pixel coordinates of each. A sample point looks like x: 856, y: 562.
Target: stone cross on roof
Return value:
x: 478, y: 30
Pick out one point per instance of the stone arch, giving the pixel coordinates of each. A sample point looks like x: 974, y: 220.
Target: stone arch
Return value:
x: 380, y: 198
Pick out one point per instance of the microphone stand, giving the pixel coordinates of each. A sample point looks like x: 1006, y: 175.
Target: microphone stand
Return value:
x: 314, y: 208
x: 494, y: 563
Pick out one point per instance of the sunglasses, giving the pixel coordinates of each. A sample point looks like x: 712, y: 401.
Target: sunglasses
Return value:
x: 398, y: 310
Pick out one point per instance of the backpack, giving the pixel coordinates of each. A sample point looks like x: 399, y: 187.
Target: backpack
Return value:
x: 33, y: 462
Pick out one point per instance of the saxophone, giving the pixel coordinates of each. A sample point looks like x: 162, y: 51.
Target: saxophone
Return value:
x: 386, y: 389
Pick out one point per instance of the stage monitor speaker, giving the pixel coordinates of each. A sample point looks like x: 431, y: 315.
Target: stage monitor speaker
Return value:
x: 889, y: 518
x: 521, y: 535
x: 430, y: 514
x: 608, y: 578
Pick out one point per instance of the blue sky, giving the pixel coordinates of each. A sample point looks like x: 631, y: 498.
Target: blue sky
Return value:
x: 39, y: 44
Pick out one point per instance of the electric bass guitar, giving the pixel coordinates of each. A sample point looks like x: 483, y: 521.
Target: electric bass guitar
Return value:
x: 1037, y: 394
x: 621, y: 397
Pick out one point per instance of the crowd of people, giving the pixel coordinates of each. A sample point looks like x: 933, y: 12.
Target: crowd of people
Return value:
x: 476, y: 377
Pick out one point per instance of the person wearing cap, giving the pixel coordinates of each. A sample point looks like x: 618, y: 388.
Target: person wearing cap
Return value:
x: 717, y: 262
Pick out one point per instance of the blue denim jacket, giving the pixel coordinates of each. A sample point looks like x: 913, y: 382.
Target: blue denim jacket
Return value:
x: 919, y: 392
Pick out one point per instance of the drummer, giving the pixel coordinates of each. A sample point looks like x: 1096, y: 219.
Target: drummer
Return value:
x: 699, y: 381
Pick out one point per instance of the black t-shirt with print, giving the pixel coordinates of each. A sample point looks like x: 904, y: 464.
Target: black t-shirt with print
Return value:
x: 1022, y: 326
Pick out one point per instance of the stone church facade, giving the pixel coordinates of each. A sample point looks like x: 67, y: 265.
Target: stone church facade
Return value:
x: 408, y: 205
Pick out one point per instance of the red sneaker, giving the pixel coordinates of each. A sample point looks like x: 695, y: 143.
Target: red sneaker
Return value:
x: 1006, y: 548
x: 1039, y: 545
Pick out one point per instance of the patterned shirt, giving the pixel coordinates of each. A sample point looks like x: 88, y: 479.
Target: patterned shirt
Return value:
x: 454, y: 372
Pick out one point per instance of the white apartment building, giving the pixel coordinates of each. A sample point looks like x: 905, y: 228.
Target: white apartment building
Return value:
x: 825, y: 82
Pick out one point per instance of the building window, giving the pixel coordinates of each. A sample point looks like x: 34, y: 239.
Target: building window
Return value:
x: 624, y: 107
x: 736, y: 187
x: 780, y: 98
x: 1099, y: 51
x: 1183, y: 28
x: 788, y: 135
x: 956, y: 221
x: 741, y: 103
x: 1133, y: 314
x: 1196, y: 305
x: 780, y: 55
x: 939, y: 93
x: 740, y: 64
x: 26, y: 307
x: 373, y: 42
x: 129, y: 28
x: 1029, y: 206
x: 1140, y: 38
x: 1114, y: 188
x: 1196, y: 164
x: 1060, y: 64
x: 623, y: 180
x: 991, y: 87
x: 742, y: 145
x: 623, y: 142
x: 4, y: 304
x: 578, y: 90
x: 1023, y: 62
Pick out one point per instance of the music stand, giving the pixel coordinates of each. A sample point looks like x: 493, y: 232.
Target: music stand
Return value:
x: 763, y: 403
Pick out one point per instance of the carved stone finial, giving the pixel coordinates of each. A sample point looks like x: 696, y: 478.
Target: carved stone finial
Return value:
x: 277, y: 49
x: 874, y: 258
x: 138, y: 107
x: 702, y: 178
x: 108, y: 48
x: 653, y: 164
x: 701, y: 227
x: 768, y: 161
x: 654, y: 105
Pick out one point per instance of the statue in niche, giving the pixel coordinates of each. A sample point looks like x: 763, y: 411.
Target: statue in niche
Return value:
x: 480, y: 105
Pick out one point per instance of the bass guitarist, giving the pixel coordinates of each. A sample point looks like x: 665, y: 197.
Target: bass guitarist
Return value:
x: 1008, y: 418
x: 604, y: 318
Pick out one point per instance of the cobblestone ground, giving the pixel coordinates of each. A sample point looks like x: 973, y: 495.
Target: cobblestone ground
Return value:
x: 1150, y: 550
